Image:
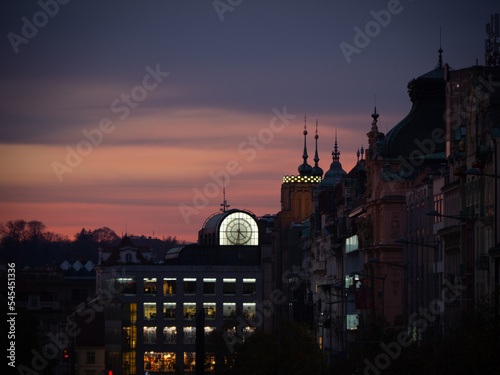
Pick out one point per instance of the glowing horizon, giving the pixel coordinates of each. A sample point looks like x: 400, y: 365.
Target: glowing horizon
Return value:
x: 104, y: 124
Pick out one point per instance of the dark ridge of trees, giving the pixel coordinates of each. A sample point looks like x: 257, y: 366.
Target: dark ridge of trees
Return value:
x: 29, y: 243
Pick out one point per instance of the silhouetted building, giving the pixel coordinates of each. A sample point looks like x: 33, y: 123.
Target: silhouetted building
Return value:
x: 290, y: 274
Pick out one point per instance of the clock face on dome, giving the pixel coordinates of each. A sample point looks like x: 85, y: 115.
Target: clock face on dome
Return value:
x: 239, y: 228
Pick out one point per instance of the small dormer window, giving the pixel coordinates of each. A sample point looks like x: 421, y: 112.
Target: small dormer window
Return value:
x: 128, y: 258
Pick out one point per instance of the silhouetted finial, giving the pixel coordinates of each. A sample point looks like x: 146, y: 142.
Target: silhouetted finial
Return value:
x: 374, y: 122
x: 304, y: 155
x: 336, y: 153
x: 224, y: 204
x: 316, y: 136
x: 305, y: 169
x: 440, y: 51
x: 316, y: 170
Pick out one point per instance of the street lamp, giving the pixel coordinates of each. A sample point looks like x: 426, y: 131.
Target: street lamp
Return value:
x: 424, y: 244
x: 477, y: 172
x: 437, y: 214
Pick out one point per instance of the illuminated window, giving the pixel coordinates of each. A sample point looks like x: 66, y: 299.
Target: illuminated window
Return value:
x: 189, y: 286
x: 352, y: 321
x: 149, y: 335
x: 129, y: 337
x: 249, y: 309
x: 301, y: 179
x: 209, y: 330
x: 209, y: 310
x: 159, y: 362
x: 129, y: 313
x: 351, y: 244
x: 208, y: 286
x: 209, y: 362
x: 169, y: 286
x: 150, y: 286
x: 247, y: 331
x: 126, y: 286
x: 169, y: 309
x: 189, y: 361
x: 228, y: 310
x: 229, y: 287
x: 128, y: 361
x: 189, y: 335
x: 149, y: 310
x: 352, y: 281
x: 189, y: 310
x: 169, y: 335
x: 249, y: 287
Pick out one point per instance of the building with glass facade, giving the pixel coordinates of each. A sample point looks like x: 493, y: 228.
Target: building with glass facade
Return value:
x: 155, y: 306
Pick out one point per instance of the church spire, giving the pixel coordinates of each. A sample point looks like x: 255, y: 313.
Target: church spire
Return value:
x: 440, y: 51
x: 336, y: 152
x: 316, y: 171
x: 304, y: 155
x: 335, y: 174
x: 316, y: 158
x: 375, y: 116
x: 305, y: 169
x: 373, y: 135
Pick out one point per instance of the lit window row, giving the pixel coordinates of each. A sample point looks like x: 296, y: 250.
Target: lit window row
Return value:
x: 189, y: 310
x: 306, y: 179
x: 127, y: 286
x: 166, y: 362
x: 169, y: 335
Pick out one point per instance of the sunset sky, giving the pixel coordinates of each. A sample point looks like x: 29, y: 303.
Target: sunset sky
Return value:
x: 127, y: 113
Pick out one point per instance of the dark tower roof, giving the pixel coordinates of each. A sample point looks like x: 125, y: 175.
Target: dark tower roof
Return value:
x: 335, y: 174
x: 427, y: 94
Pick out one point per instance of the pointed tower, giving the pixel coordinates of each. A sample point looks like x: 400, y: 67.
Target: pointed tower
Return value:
x: 373, y: 136
x: 305, y: 169
x: 297, y: 191
x: 316, y: 171
x: 335, y: 174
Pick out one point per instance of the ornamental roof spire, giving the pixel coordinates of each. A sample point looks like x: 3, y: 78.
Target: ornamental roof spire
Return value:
x: 336, y: 152
x: 316, y: 171
x: 305, y: 169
